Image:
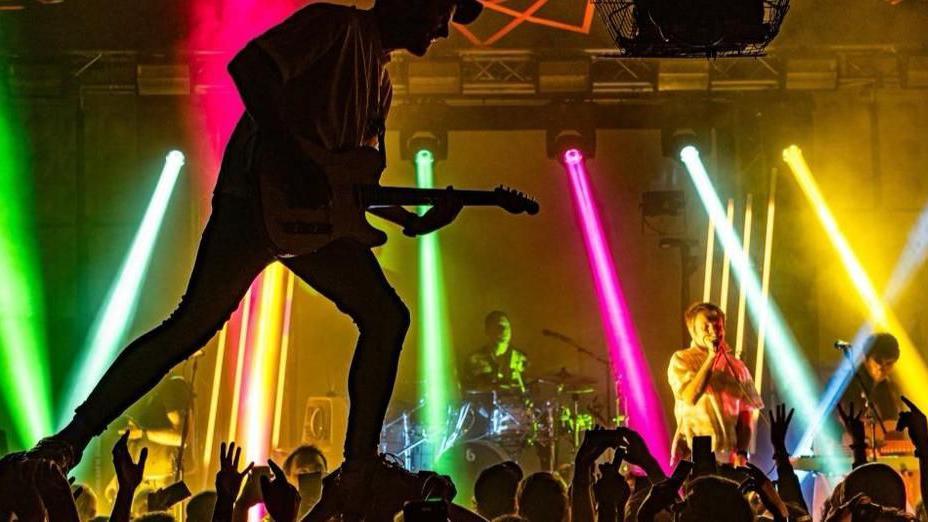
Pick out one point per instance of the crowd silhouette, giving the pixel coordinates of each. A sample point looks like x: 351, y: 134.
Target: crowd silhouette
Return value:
x: 600, y: 489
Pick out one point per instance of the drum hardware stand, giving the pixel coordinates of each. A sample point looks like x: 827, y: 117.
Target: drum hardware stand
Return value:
x: 611, y: 385
x: 185, y: 428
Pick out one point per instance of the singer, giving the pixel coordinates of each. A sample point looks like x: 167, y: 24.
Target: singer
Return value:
x: 713, y: 391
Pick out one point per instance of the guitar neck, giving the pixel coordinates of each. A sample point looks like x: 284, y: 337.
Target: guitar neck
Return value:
x: 383, y: 196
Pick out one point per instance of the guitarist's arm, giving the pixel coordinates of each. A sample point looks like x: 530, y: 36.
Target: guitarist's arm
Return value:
x: 394, y: 214
x: 441, y: 214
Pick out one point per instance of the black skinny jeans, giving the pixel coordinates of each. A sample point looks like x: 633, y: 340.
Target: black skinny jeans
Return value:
x: 232, y: 252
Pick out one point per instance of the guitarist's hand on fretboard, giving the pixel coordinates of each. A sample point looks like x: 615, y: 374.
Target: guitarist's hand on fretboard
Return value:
x: 443, y: 213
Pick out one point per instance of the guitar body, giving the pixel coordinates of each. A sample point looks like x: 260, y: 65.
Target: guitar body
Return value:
x: 296, y: 229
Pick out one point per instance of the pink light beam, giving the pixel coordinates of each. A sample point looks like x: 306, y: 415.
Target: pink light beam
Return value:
x: 628, y: 362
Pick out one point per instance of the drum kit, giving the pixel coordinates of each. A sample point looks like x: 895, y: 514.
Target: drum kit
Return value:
x: 538, y: 425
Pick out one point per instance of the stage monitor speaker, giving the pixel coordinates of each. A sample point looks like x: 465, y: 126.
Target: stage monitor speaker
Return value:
x: 325, y: 422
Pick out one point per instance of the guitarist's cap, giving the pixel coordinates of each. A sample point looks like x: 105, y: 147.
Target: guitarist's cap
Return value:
x: 467, y: 11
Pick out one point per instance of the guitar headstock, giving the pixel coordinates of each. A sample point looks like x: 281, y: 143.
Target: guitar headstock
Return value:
x: 514, y: 201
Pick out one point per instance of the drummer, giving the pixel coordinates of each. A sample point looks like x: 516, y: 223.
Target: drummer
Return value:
x: 496, y: 364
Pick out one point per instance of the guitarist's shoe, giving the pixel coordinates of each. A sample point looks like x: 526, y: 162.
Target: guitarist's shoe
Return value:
x: 346, y: 492
x: 57, y: 450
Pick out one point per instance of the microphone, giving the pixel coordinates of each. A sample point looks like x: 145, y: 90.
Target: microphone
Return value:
x: 556, y: 335
x: 842, y: 345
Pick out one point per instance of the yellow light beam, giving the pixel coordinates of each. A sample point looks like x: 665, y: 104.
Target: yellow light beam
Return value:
x: 710, y: 255
x: 214, y: 396
x: 765, y: 282
x: 726, y: 261
x: 240, y: 365
x: 282, y: 366
x: 739, y: 331
x: 912, y: 372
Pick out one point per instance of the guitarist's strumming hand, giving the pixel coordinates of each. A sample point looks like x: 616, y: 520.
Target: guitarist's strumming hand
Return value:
x: 440, y: 215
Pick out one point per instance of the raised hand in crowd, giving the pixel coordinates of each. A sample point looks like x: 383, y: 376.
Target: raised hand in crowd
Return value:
x: 759, y: 483
x: 858, y: 433
x: 55, y: 490
x: 788, y: 483
x: 611, y: 490
x: 661, y: 496
x: 637, y: 453
x: 228, y: 480
x: 250, y: 495
x: 916, y: 424
x: 19, y: 495
x: 595, y: 442
x: 128, y: 475
x: 38, y: 491
x: 281, y: 499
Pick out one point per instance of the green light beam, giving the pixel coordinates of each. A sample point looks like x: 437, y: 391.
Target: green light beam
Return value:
x: 115, y: 318
x: 24, y: 380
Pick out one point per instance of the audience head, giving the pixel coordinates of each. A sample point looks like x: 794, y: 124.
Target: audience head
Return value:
x: 495, y: 490
x: 140, y: 501
x: 882, y: 354
x: 706, y: 324
x: 304, y: 459
x: 86, y: 503
x: 542, y: 497
x: 878, y: 481
x: 155, y: 516
x: 509, y: 518
x: 514, y: 467
x: 714, y: 498
x: 200, y: 508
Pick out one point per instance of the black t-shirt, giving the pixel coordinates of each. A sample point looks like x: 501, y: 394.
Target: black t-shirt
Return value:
x: 885, y: 395
x: 336, y: 88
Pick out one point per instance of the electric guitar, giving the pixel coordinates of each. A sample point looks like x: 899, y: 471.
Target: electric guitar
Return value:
x: 353, y: 179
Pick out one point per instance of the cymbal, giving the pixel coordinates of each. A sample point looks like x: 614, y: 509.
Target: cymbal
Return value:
x: 568, y: 381
x: 490, y: 387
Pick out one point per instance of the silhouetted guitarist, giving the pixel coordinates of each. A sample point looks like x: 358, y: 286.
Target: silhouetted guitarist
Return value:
x: 317, y: 80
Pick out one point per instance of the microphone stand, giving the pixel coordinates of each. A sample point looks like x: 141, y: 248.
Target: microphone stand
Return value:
x: 875, y: 417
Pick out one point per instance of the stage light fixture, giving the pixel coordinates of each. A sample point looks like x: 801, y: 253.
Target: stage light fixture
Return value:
x: 435, y: 350
x: 913, y: 373
x: 115, y: 317
x: 559, y: 141
x: 790, y: 369
x: 24, y: 379
x: 628, y: 360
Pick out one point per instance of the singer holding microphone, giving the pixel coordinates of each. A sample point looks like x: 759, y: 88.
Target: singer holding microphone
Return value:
x: 713, y: 391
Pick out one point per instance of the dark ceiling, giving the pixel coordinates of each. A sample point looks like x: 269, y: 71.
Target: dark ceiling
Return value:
x: 161, y: 25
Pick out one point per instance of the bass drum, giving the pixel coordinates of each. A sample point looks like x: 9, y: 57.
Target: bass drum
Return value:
x: 464, y: 462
